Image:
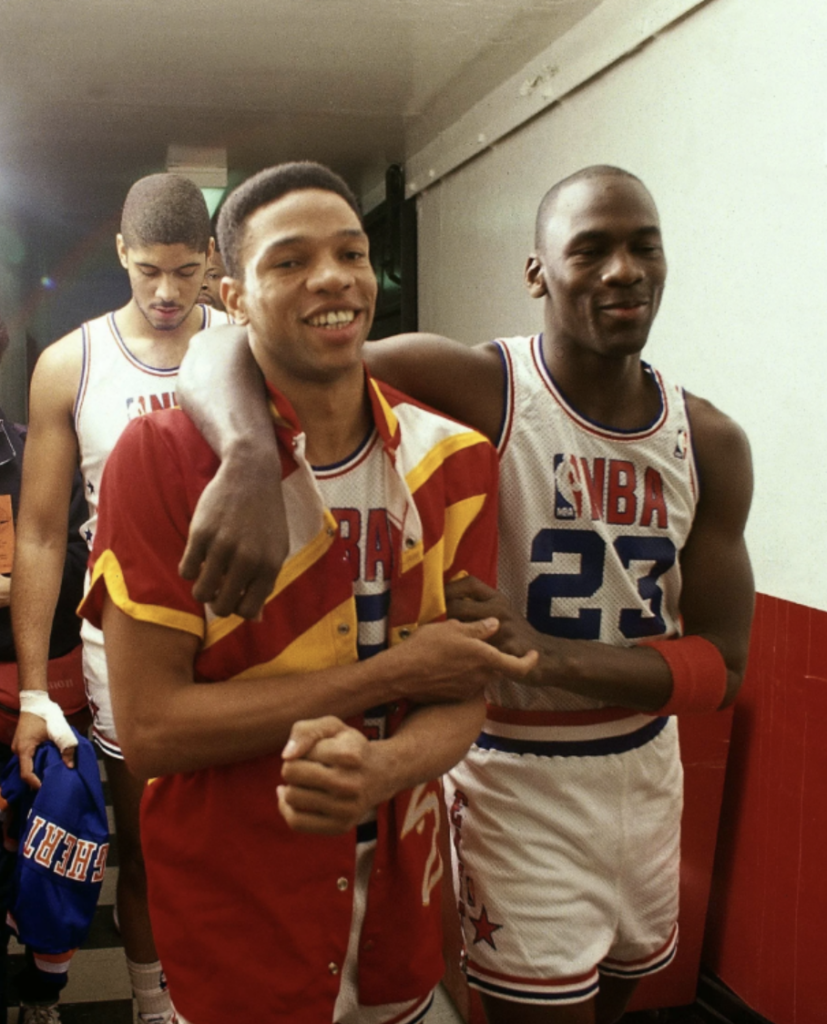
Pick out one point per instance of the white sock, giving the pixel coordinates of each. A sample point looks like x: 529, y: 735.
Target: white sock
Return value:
x: 149, y: 987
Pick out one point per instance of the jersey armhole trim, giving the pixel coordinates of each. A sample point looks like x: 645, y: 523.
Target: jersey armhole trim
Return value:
x: 504, y: 433
x: 83, y: 383
x: 694, y: 475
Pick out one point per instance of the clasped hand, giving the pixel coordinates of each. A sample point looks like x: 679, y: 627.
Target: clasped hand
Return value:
x: 333, y: 775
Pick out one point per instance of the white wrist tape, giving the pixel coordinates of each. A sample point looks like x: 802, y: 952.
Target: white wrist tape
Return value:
x: 38, y: 702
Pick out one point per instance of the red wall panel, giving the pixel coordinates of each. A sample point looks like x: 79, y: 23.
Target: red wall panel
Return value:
x: 765, y: 934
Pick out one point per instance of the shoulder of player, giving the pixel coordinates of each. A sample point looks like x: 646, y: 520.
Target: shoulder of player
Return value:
x: 713, y: 430
x: 722, y: 452
x: 63, y: 354
x: 57, y: 372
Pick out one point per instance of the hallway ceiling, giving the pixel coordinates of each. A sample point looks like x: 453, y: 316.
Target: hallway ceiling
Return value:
x: 93, y: 91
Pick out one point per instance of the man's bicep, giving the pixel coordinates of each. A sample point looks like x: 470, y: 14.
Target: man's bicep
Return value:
x: 51, y: 453
x: 718, y: 590
x: 147, y: 664
x: 718, y: 593
x: 462, y: 381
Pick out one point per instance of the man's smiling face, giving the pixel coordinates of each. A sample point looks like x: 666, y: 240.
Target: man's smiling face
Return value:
x: 308, y: 291
x: 600, y: 266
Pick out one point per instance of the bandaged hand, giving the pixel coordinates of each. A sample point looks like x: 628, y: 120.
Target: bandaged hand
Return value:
x: 38, y: 702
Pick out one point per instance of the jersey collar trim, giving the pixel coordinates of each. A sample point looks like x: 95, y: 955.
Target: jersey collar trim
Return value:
x: 592, y: 426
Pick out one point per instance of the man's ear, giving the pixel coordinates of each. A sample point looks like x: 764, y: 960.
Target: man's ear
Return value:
x: 210, y: 249
x: 233, y: 298
x: 535, y: 279
x: 120, y: 245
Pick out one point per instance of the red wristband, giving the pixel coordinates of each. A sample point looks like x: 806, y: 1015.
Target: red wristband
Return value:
x: 699, y: 674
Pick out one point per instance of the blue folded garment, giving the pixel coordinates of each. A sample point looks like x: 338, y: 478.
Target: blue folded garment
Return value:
x: 62, y: 837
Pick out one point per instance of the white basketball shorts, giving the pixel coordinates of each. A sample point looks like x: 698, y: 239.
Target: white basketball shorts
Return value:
x: 96, y: 678
x: 348, y: 1009
x: 566, y: 851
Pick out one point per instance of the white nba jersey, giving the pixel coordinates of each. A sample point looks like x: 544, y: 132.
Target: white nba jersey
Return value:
x: 115, y: 387
x: 354, y: 491
x: 592, y: 519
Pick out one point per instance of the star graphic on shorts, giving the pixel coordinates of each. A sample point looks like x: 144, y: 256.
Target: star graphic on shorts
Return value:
x: 484, y: 929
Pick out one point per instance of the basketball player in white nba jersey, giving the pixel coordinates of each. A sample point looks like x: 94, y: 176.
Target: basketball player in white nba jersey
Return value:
x: 115, y: 387
x: 86, y: 388
x: 623, y: 502
x: 593, y: 557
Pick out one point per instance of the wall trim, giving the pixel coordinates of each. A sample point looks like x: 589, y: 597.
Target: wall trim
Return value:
x: 609, y: 33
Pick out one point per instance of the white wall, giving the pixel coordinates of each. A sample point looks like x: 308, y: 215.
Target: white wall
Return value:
x: 724, y: 116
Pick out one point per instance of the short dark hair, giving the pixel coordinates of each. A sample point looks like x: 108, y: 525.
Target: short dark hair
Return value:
x: 265, y: 187
x: 547, y: 203
x: 165, y: 209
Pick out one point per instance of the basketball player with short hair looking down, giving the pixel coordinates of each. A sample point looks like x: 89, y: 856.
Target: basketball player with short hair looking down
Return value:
x: 296, y: 813
x: 623, y: 502
x: 86, y: 388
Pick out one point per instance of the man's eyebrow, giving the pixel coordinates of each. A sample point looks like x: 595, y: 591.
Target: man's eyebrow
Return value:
x: 587, y: 236
x: 286, y: 240
x: 154, y: 266
x: 599, y: 236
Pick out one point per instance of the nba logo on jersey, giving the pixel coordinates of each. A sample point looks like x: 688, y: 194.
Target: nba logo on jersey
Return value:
x: 681, y: 444
x: 143, y: 404
x: 564, y: 481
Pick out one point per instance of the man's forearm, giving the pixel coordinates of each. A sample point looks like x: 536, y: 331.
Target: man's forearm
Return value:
x: 239, y: 536
x: 167, y: 723
x: 636, y: 677
x: 204, y: 725
x: 190, y: 727
x: 692, y: 670
x: 428, y: 743
x: 36, y: 582
x: 630, y: 677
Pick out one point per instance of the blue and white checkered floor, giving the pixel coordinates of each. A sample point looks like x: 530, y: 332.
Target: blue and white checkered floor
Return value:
x: 98, y: 991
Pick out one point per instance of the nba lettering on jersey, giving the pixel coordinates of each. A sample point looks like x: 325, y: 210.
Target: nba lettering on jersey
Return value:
x: 366, y: 534
x: 66, y: 855
x: 611, y: 490
x: 143, y: 404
